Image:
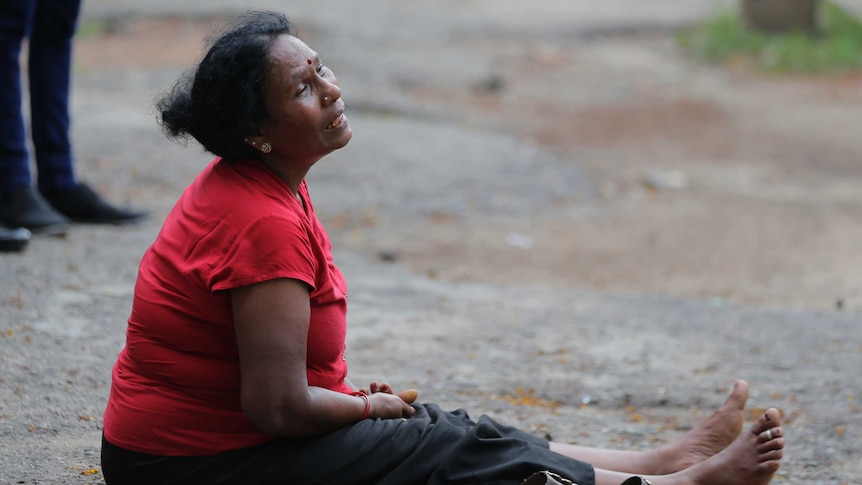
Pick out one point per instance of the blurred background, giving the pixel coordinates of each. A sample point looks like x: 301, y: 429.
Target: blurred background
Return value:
x: 588, y: 218
x: 602, y: 145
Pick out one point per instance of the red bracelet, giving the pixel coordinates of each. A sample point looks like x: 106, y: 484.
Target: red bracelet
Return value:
x: 367, y: 404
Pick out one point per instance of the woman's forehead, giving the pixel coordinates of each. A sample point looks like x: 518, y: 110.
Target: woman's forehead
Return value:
x: 289, y: 52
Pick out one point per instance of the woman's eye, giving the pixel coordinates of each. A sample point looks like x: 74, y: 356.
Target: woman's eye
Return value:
x: 302, y: 90
x: 322, y: 70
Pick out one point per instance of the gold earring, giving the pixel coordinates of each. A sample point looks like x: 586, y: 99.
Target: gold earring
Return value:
x: 265, y: 147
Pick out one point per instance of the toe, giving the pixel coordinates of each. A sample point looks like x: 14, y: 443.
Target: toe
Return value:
x: 739, y: 395
x: 773, y: 444
x: 771, y: 456
x: 770, y: 434
x: 769, y: 420
x: 770, y: 466
x: 740, y: 389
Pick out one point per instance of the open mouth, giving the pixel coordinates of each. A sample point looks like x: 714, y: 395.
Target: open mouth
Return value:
x: 336, y: 122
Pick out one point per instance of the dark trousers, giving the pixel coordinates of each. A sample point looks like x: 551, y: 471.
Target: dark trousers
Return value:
x: 431, y: 448
x: 49, y: 25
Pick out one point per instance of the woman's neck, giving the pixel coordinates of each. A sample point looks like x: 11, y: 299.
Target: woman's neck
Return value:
x: 290, y: 174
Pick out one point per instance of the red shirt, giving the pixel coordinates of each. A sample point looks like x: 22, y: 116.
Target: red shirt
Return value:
x: 176, y: 384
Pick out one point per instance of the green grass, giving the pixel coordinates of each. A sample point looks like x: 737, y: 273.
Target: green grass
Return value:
x: 835, y: 47
x: 92, y: 28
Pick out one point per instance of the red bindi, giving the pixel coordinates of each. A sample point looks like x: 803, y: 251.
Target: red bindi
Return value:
x: 309, y: 61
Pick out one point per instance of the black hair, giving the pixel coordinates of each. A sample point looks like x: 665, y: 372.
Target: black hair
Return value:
x: 222, y: 101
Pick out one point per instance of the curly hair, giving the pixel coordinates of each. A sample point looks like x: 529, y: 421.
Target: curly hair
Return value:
x: 222, y: 101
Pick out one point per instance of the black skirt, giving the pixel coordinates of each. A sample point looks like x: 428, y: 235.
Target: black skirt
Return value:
x: 434, y: 447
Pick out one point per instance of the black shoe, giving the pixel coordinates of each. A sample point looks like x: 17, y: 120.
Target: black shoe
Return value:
x: 13, y: 239
x: 26, y: 208
x: 81, y: 204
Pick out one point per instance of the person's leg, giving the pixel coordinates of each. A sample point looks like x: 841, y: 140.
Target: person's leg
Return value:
x: 433, y: 447
x: 370, y: 451
x: 700, y: 443
x: 50, y: 67
x: 752, y: 459
x: 50, y: 70
x: 20, y: 204
x: 15, y: 17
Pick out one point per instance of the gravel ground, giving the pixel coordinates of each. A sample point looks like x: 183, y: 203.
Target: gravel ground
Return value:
x: 549, y: 216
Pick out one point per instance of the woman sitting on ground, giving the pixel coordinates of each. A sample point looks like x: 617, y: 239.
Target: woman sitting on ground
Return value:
x: 233, y: 370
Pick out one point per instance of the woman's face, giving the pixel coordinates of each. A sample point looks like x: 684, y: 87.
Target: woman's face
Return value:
x: 306, y: 113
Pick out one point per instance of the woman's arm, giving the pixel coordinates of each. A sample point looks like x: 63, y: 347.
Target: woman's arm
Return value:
x: 271, y: 320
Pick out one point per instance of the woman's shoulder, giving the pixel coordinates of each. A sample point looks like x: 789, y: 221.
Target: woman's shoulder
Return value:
x: 243, y: 188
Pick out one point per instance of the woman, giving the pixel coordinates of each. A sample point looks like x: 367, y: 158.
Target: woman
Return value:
x: 234, y: 369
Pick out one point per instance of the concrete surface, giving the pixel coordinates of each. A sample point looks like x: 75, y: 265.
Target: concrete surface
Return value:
x: 547, y: 213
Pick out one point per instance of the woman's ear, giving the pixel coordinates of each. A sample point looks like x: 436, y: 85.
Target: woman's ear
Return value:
x: 259, y: 143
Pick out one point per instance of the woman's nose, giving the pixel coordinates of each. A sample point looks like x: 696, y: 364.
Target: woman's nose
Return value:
x: 331, y: 92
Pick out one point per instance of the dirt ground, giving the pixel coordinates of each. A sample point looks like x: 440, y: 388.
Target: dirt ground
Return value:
x: 705, y: 182
x: 643, y: 172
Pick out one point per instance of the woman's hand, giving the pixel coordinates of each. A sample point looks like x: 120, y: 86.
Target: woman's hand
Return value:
x: 388, y: 406
x: 407, y: 396
x: 376, y: 387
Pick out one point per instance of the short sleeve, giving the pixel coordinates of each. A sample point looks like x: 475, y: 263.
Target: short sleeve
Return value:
x: 276, y: 246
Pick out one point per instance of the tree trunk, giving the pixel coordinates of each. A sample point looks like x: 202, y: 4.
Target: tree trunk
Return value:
x: 774, y: 16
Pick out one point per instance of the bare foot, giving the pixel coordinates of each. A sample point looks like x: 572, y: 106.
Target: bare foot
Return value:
x: 710, y: 436
x: 752, y: 458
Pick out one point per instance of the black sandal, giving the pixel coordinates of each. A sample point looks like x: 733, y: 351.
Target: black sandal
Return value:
x: 636, y: 481
x: 547, y: 478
